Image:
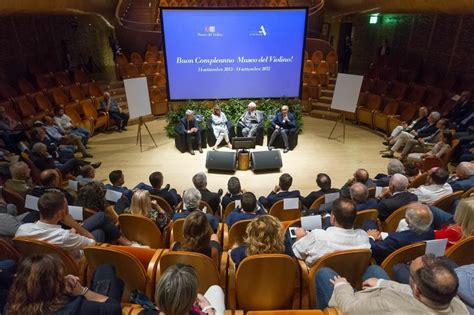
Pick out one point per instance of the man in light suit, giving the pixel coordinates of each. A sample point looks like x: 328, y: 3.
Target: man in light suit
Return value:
x: 280, y: 192
x: 251, y: 120
x: 283, y: 123
x: 432, y: 290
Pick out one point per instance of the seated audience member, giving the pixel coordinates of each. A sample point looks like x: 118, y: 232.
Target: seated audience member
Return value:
x: 265, y: 235
x: 117, y: 180
x: 415, y: 124
x: 463, y: 223
x: 411, y: 171
x: 50, y: 179
x: 360, y: 196
x: 42, y: 287
x: 92, y: 196
x: 66, y: 123
x: 58, y: 134
x: 191, y: 199
x: 212, y: 198
x: 280, y: 192
x: 87, y: 175
x: 324, y: 183
x: 464, y: 179
x: 432, y: 290
x: 10, y: 221
x: 234, y: 192
x: 177, y: 293
x: 199, y: 237
x: 249, y: 210
x: 395, y: 197
x: 465, y: 293
x: 189, y: 126
x: 360, y: 176
x: 418, y: 217
x: 283, y: 123
x: 142, y: 205
x: 251, y: 120
x: 11, y: 131
x: 109, y: 105
x: 394, y: 166
x: 53, y: 209
x: 438, y: 150
x: 219, y: 127
x: 156, y: 181
x: 310, y: 246
x: 436, y: 186
x: 60, y: 153
x: 405, y: 137
x: 21, y: 180
x: 426, y: 143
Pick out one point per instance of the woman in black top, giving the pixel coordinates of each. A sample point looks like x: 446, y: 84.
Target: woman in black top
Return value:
x: 199, y: 237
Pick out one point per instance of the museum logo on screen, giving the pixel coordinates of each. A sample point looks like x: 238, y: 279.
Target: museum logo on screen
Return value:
x: 209, y: 31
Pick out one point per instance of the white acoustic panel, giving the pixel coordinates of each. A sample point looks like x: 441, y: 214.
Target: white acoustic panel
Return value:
x: 346, y: 93
x: 138, y: 100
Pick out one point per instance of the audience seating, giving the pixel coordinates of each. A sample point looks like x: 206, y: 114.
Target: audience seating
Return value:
x: 462, y: 253
x: 8, y: 251
x: 419, y: 180
x: 403, y: 255
x: 283, y: 292
x: 100, y: 119
x: 391, y: 223
x: 468, y: 193
x: 80, y: 76
x: 25, y: 86
x: 176, y: 231
x: 318, y: 202
x: 327, y: 311
x: 84, y: 122
x: 285, y: 214
x: 28, y: 111
x: 364, y: 215
x: 235, y: 235
x: 446, y: 202
x: 140, y: 229
x: 162, y: 203
x: 28, y: 246
x: 11, y: 196
x: 230, y: 207
x: 43, y: 104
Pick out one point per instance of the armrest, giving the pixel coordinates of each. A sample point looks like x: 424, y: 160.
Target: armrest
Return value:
x: 151, y: 273
x: 223, y: 270
x: 304, y: 276
x: 225, y: 243
x: 231, y: 298
x: 110, y: 212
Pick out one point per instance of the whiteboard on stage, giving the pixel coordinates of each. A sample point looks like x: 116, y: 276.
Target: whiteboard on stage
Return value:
x: 346, y: 93
x: 138, y: 100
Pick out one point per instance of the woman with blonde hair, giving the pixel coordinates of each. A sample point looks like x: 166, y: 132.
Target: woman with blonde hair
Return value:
x: 142, y: 204
x: 265, y: 235
x: 199, y: 237
x: 219, y: 127
x: 463, y: 223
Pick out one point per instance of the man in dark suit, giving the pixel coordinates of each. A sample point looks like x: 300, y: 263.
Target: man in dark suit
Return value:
x: 283, y: 122
x: 324, y: 182
x: 418, y: 217
x: 360, y: 196
x: 395, y: 197
x: 234, y: 192
x: 464, y: 178
x: 280, y: 192
x: 156, y: 180
x: 212, y: 198
x: 360, y: 176
x: 249, y: 210
x: 189, y: 126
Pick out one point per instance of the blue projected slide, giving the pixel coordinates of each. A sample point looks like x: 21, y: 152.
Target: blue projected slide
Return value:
x: 219, y: 54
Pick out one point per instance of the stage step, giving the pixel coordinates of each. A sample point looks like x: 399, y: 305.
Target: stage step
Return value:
x: 325, y: 99
x: 324, y: 114
x: 320, y: 106
x: 331, y: 87
x: 328, y: 93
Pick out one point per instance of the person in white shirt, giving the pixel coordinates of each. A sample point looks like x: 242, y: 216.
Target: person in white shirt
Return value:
x: 310, y: 246
x: 436, y: 186
x: 65, y: 122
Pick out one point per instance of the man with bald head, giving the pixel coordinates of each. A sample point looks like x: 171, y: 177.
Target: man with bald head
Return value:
x: 419, y: 219
x: 395, y: 197
x: 464, y: 179
x: 360, y: 196
x: 283, y: 123
x: 360, y: 176
x: 251, y: 120
x: 49, y: 179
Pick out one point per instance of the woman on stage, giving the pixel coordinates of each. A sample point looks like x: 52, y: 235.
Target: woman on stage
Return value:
x: 219, y: 127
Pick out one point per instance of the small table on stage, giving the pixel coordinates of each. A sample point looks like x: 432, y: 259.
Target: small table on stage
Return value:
x: 244, y: 160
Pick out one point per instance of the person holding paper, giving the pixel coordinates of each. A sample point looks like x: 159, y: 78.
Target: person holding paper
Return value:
x: 283, y: 123
x: 248, y: 210
x: 324, y: 183
x: 395, y: 197
x: 109, y: 105
x: 251, y: 120
x: 310, y: 246
x: 219, y: 127
x: 189, y: 126
x: 117, y: 180
x: 234, y: 192
x: 280, y: 192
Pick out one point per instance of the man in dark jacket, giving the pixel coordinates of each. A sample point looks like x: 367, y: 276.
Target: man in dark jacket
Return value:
x: 283, y: 122
x: 280, y: 192
x: 397, y: 196
x: 189, y: 126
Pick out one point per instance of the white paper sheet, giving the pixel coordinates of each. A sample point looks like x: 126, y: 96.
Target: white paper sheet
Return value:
x: 331, y: 197
x: 378, y: 190
x: 73, y: 185
x: 112, y: 195
x: 238, y: 204
x: 31, y: 202
x: 436, y: 247
x: 77, y: 213
x: 291, y: 203
x: 311, y: 222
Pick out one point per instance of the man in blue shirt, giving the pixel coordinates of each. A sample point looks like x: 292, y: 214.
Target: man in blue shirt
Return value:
x: 465, y: 177
x: 156, y: 180
x: 117, y: 180
x: 283, y: 123
x: 247, y: 211
x: 109, y: 104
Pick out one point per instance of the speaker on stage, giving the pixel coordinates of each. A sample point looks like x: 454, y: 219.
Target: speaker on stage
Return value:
x: 266, y: 160
x: 221, y: 161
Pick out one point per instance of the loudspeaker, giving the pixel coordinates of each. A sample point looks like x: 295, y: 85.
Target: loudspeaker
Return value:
x: 266, y: 160
x: 220, y: 161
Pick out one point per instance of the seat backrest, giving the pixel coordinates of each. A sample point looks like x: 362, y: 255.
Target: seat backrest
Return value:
x: 237, y: 232
x: 205, y: 267
x: 162, y: 203
x: 403, y: 255
x: 203, y: 204
x: 127, y: 267
x: 391, y: 223
x: 462, y: 253
x: 132, y: 70
x: 408, y: 113
x: 323, y: 67
x: 28, y: 246
x: 35, y: 172
x: 364, y: 215
x: 11, y: 196
x: 140, y: 229
x: 338, y: 261
x: 398, y: 90
x: 25, y: 86
x: 43, y: 103
x: 8, y: 251
x: 284, y: 214
x: 374, y: 101
x: 287, y: 312
x: 380, y: 87
x: 151, y: 57
x: 266, y: 282
x: 95, y: 90
x: 318, y: 202
x: 308, y: 66
x: 177, y: 228
x: 121, y: 59
x: 391, y: 108
x: 76, y: 93
x: 44, y: 81
x: 62, y: 78
x: 59, y: 97
x: 416, y: 93
x: 468, y: 193
x: 136, y: 58
x: 228, y: 209
x: 419, y: 180
x: 331, y: 57
x: 80, y: 76
x: 88, y: 108
x: 316, y: 57
x: 26, y: 108
x: 446, y: 201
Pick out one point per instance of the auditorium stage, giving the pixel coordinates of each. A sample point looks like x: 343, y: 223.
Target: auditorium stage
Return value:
x: 314, y: 153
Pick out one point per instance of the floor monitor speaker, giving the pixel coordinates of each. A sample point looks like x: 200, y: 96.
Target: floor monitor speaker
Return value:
x: 266, y: 160
x: 221, y: 161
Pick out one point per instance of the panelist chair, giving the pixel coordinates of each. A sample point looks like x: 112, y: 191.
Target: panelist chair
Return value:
x: 258, y: 137
x: 292, y: 138
x: 180, y: 140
